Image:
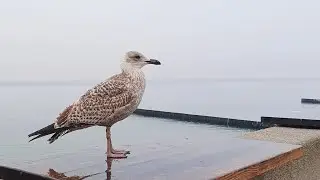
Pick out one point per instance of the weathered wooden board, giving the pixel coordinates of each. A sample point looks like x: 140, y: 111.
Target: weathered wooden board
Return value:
x: 209, y: 159
x: 264, y: 166
x: 159, y: 150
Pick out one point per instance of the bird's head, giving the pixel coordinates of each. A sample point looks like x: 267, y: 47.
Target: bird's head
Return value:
x: 134, y: 59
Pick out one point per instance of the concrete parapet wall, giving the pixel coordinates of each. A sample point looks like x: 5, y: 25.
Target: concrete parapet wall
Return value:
x: 305, y: 168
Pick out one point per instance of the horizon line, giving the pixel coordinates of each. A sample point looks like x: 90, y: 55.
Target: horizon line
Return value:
x: 86, y: 81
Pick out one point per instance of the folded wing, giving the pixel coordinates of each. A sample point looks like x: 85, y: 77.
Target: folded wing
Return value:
x: 96, y: 107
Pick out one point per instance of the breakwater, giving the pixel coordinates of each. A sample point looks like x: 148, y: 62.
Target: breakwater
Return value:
x: 291, y: 122
x: 238, y: 123
x: 310, y: 101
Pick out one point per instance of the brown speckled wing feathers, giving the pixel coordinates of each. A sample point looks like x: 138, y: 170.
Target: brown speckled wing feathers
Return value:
x: 98, y: 103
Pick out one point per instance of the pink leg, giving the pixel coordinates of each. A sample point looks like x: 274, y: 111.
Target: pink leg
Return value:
x: 112, y: 153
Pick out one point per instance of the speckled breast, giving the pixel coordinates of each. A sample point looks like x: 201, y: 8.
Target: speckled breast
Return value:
x: 137, y: 87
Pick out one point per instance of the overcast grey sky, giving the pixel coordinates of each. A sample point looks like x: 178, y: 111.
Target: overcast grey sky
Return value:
x: 84, y: 40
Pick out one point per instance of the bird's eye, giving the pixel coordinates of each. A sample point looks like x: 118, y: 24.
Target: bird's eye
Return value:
x: 136, y: 57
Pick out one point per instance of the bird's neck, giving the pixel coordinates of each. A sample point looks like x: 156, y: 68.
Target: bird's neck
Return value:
x: 137, y: 76
x: 132, y: 71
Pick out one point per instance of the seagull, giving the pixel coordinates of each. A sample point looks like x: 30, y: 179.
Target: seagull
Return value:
x: 105, y: 104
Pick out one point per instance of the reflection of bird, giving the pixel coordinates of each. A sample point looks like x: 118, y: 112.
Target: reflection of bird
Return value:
x: 109, y: 165
x: 105, y: 104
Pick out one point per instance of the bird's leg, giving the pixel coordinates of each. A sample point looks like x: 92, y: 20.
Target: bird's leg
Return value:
x: 112, y: 153
x: 115, y: 151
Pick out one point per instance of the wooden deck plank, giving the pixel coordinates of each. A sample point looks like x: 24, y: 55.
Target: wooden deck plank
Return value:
x: 163, y: 150
x: 241, y: 159
x: 209, y: 159
x: 264, y: 166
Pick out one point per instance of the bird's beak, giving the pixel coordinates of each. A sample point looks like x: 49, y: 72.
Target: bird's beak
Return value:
x: 153, y: 61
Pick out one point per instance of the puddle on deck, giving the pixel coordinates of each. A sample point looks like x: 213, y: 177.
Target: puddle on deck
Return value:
x: 157, y: 146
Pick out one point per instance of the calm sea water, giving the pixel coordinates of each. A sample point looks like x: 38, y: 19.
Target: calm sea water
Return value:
x: 27, y: 108
x: 235, y: 99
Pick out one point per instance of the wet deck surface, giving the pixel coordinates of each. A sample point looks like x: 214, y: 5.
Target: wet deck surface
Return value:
x: 185, y: 160
x: 160, y: 149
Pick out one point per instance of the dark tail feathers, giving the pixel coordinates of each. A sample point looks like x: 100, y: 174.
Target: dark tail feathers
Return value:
x: 49, y: 130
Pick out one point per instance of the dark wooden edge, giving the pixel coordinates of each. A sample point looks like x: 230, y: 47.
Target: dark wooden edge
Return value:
x: 8, y: 173
x: 290, y: 122
x: 264, y: 166
x: 237, y: 123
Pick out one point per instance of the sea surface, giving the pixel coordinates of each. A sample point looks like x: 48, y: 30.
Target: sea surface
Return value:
x: 240, y: 99
x: 29, y: 107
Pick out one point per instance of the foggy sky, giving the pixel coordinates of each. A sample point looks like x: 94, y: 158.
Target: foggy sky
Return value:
x: 84, y: 40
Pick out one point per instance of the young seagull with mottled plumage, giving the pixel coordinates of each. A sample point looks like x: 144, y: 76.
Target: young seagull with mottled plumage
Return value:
x: 105, y: 104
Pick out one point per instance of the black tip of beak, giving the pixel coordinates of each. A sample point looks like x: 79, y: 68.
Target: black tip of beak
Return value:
x: 153, y: 61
